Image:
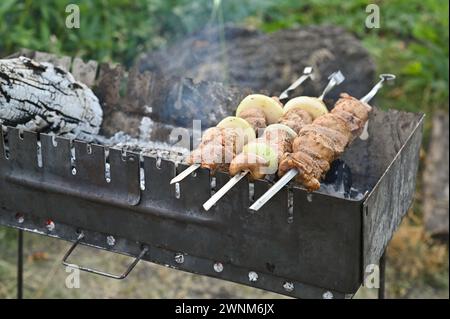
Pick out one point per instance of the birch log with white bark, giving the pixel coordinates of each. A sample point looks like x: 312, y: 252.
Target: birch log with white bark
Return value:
x: 45, y: 98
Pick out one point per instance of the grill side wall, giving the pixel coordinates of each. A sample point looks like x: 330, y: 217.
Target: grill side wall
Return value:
x: 392, y: 196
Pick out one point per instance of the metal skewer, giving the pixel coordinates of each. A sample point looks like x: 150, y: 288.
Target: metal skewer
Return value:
x: 384, y: 77
x: 188, y: 171
x: 307, y: 73
x: 334, y: 79
x: 286, y: 178
x: 221, y: 192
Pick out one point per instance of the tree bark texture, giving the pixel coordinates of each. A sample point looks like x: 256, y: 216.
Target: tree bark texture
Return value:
x: 435, y: 179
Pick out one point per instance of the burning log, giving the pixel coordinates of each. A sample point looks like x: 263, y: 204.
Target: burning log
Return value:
x: 45, y: 98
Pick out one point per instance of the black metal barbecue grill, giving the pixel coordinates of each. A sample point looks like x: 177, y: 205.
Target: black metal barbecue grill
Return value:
x: 304, y: 245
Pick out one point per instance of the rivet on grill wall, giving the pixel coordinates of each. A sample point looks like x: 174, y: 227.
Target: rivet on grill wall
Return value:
x: 111, y: 240
x: 252, y: 276
x: 20, y: 218
x: 328, y: 295
x: 50, y: 225
x: 288, y: 286
x: 179, y: 258
x: 218, y: 267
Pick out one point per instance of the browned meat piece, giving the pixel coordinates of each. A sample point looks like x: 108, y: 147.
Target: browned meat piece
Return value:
x: 255, y: 117
x: 248, y: 161
x: 354, y: 106
x: 211, y: 156
x: 211, y: 134
x: 340, y: 141
x: 223, y: 136
x: 296, y: 119
x: 334, y: 123
x: 309, y: 171
x: 319, y: 144
x: 279, y: 140
x: 354, y: 124
x: 218, y: 147
x: 321, y: 163
x: 305, y: 116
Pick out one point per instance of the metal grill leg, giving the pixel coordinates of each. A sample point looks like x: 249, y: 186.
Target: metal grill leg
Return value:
x: 20, y: 264
x: 382, y: 263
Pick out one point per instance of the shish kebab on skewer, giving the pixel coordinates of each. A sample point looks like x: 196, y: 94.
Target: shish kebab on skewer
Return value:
x: 221, y: 143
x: 320, y: 143
x: 261, y: 156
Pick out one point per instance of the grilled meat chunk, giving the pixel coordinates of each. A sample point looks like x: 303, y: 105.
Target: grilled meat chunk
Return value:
x: 296, y: 119
x: 218, y: 147
x: 255, y: 117
x: 353, y: 124
x: 354, y: 106
x: 340, y: 141
x: 320, y: 143
x: 279, y: 140
x: 334, y: 123
x: 310, y: 171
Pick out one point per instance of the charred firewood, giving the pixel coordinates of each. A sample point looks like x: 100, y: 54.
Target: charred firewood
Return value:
x: 249, y: 58
x: 172, y: 100
x: 41, y: 97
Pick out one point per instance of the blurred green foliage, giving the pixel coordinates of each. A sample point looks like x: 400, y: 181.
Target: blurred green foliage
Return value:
x: 411, y: 42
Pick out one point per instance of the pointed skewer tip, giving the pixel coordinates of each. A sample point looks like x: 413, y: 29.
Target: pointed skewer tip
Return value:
x: 185, y: 173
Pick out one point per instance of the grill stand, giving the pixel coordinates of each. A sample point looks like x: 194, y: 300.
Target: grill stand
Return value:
x: 382, y: 265
x: 20, y: 264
